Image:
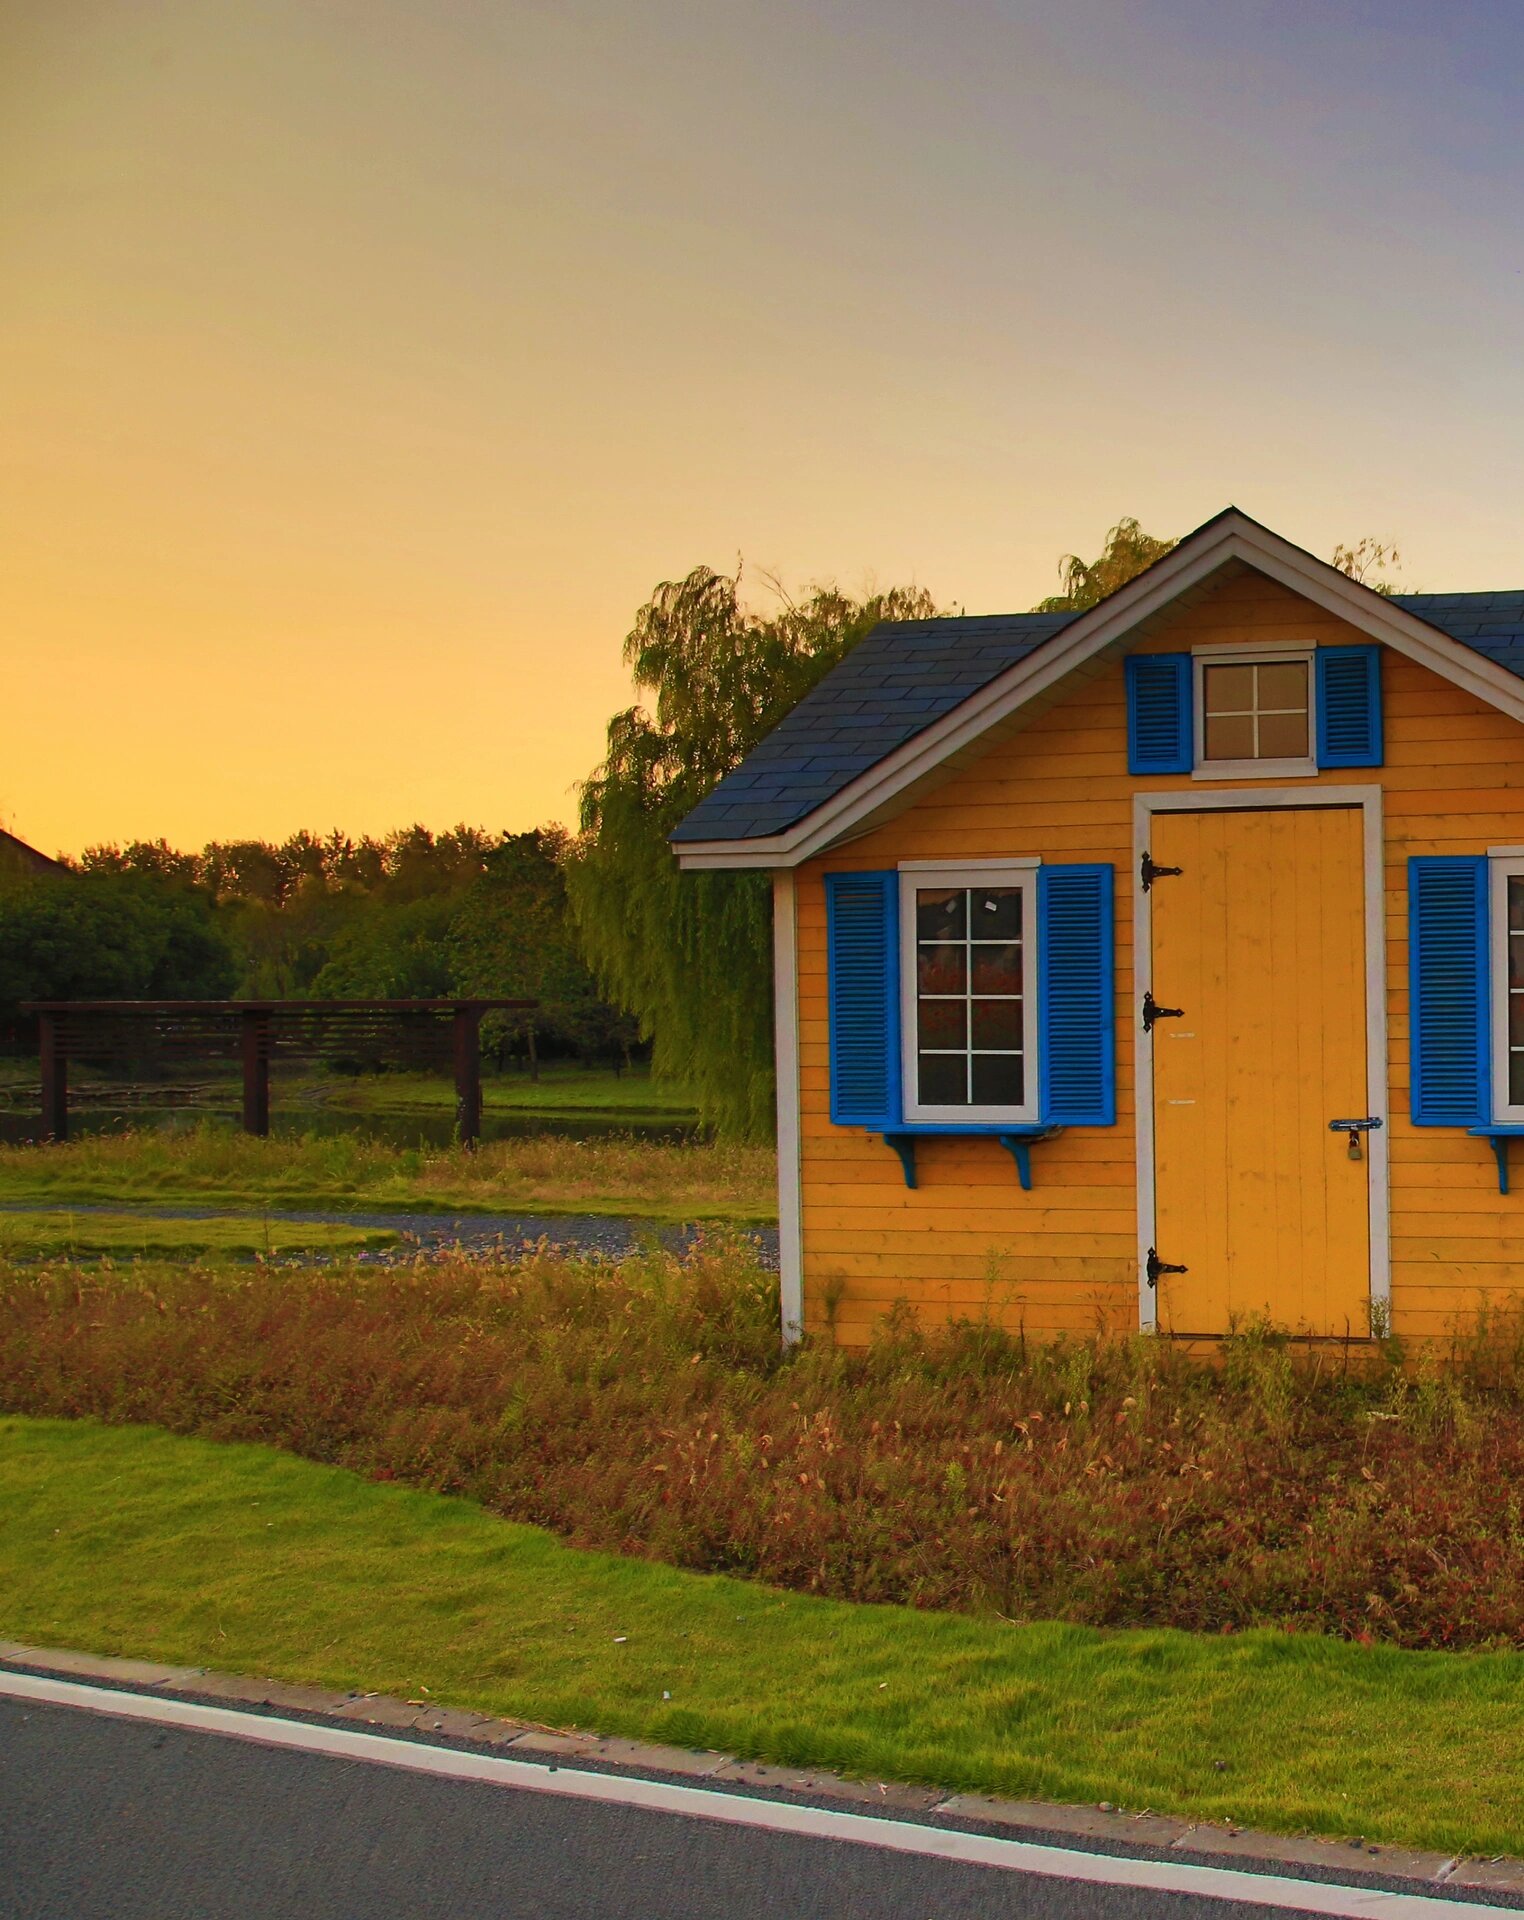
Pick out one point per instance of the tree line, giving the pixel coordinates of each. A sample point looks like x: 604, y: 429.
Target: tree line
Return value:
x: 415, y: 915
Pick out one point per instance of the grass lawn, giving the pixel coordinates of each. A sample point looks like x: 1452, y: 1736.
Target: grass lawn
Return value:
x: 560, y: 1091
x: 215, y: 1166
x: 32, y: 1236
x: 563, y: 1089
x: 130, y: 1541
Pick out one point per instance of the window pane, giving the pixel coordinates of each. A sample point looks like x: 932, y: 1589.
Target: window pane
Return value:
x: 943, y: 1023
x: 941, y: 969
x: 944, y: 1079
x: 1516, y: 1019
x: 997, y: 969
x: 997, y: 1023
x: 1229, y: 689
x: 1516, y: 900
x: 1516, y: 1079
x: 1283, y: 736
x: 996, y: 914
x: 1283, y: 684
x: 1516, y: 959
x: 1229, y: 739
x: 998, y: 1080
x: 939, y: 913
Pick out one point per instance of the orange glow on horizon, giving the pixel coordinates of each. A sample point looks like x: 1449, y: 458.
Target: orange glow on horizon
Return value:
x: 365, y: 368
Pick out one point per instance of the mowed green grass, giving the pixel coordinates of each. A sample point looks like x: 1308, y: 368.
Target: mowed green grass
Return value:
x: 560, y: 1092
x: 215, y: 1166
x: 33, y: 1236
x: 130, y: 1541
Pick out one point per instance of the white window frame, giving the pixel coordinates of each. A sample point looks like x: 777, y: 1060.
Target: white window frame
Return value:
x: 1275, y: 653
x: 1501, y: 868
x: 1019, y: 873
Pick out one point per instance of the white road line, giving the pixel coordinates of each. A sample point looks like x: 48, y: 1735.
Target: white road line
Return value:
x: 741, y: 1810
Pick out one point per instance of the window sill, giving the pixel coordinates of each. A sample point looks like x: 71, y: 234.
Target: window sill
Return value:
x: 1017, y: 1141
x: 1256, y: 770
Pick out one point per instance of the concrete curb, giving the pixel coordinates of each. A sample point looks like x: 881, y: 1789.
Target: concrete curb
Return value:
x: 1102, y: 1828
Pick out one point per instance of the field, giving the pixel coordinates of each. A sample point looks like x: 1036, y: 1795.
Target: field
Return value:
x: 130, y: 1541
x: 561, y: 1092
x: 212, y: 1165
x: 563, y: 1088
x: 136, y: 1236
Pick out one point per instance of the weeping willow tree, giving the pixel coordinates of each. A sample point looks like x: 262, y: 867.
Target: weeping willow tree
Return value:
x: 690, y: 954
x: 1128, y: 550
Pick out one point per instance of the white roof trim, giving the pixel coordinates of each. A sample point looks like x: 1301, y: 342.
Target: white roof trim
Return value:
x: 1231, y: 536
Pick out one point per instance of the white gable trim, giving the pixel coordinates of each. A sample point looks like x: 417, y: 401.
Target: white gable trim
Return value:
x: 1231, y: 536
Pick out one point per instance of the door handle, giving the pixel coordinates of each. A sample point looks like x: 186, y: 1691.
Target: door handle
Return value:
x: 1152, y: 1011
x: 1153, y: 1266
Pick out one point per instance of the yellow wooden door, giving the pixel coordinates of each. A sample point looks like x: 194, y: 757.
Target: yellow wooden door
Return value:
x: 1260, y: 942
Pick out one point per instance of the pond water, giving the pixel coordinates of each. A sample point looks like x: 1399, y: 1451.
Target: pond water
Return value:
x: 398, y: 1127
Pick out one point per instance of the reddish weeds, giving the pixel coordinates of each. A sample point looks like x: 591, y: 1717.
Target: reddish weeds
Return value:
x: 645, y: 1408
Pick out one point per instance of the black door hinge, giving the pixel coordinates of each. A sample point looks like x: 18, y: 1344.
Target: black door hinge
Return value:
x: 1152, y: 1011
x: 1153, y: 1266
x: 1150, y: 872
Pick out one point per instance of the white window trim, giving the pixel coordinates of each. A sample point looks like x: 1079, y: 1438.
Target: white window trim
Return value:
x: 1501, y: 867
x: 969, y: 873
x: 1004, y: 865
x: 1279, y: 653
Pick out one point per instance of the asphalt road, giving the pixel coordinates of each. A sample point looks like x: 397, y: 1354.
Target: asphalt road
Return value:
x: 107, y: 1817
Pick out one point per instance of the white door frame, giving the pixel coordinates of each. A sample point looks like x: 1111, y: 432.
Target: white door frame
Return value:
x: 1377, y: 1142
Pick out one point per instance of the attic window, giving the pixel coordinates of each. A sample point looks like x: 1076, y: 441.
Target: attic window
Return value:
x: 1254, y: 714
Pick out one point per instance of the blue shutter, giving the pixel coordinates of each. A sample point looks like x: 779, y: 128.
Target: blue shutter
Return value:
x: 1076, y: 995
x: 1160, y: 737
x: 1349, y: 706
x: 863, y: 938
x: 1449, y: 993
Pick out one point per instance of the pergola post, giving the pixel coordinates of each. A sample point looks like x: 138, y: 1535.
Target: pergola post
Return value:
x: 468, y: 1074
x: 254, y: 1037
x: 55, y: 1078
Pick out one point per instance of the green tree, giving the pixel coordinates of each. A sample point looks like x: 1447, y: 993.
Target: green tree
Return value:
x: 690, y: 954
x: 512, y: 937
x: 1127, y: 552
x: 111, y: 936
x: 392, y: 950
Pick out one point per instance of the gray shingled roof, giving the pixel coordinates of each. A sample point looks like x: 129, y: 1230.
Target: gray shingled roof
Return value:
x: 907, y: 673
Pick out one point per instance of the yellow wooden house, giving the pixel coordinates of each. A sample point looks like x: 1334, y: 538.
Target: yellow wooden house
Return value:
x: 1159, y: 965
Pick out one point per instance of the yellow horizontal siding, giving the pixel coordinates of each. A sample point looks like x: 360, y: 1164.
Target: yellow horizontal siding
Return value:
x: 1062, y: 1258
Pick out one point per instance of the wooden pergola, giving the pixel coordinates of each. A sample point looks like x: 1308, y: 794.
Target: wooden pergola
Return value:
x: 414, y: 1033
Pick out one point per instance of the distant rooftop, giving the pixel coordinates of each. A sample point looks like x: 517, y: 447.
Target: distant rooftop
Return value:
x: 16, y: 857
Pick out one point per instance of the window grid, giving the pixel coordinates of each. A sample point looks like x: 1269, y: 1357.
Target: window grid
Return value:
x: 1255, y: 711
x: 969, y: 948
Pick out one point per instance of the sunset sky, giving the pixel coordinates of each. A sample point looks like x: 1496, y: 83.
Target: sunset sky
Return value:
x: 363, y: 366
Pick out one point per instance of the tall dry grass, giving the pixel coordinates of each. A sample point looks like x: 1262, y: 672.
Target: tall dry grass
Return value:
x: 616, y: 1174
x: 646, y: 1408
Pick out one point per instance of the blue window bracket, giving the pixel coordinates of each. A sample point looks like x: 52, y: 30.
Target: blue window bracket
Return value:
x: 1017, y: 1142
x: 904, y: 1146
x: 1498, y: 1137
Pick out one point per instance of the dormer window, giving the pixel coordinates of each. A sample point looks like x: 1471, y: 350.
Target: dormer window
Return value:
x: 1254, y: 713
